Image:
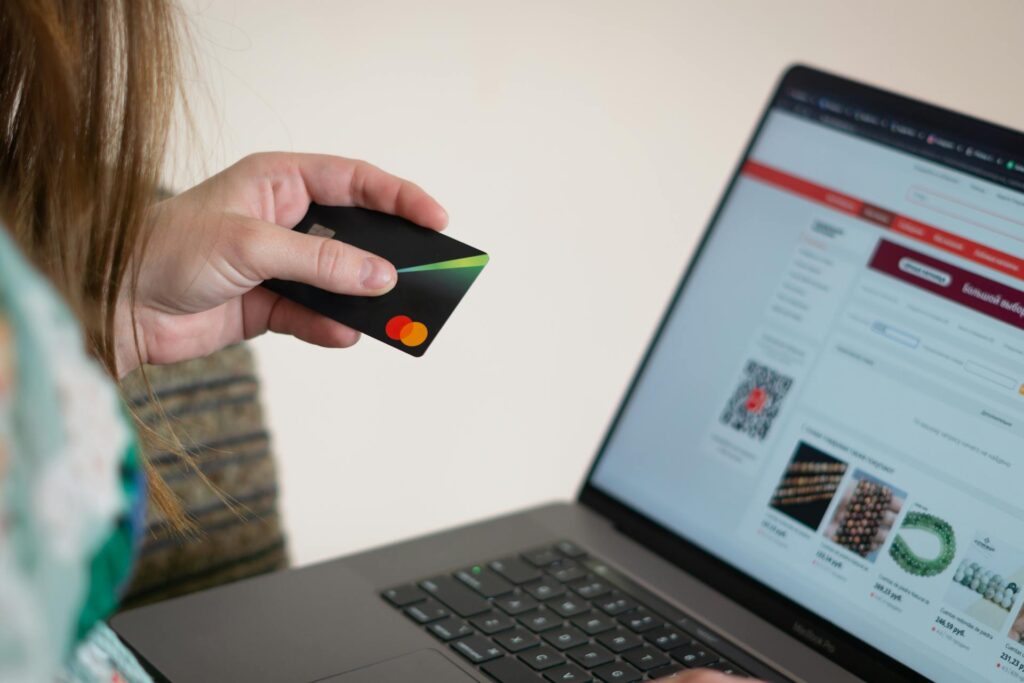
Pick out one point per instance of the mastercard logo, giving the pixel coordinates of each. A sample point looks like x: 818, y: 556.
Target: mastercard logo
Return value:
x: 404, y: 329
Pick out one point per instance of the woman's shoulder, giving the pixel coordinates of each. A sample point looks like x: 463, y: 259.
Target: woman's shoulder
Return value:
x: 64, y: 444
x: 61, y: 403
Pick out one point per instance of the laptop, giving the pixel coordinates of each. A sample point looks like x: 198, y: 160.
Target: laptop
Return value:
x: 814, y: 476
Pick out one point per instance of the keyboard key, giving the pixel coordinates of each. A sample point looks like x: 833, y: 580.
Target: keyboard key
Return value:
x: 570, y: 549
x: 403, y: 596
x: 668, y: 638
x: 646, y: 658
x: 594, y: 623
x: 450, y: 629
x: 568, y: 673
x: 543, y: 607
x: 592, y: 588
x: 590, y: 655
x: 517, y: 640
x: 545, y: 589
x: 618, y: 672
x: 542, y: 557
x: 641, y: 621
x: 515, y: 570
x: 568, y: 606
x: 484, y: 581
x: 542, y: 658
x: 566, y: 571
x: 427, y: 611
x: 492, y: 622
x: 695, y: 655
x: 726, y: 667
x: 516, y: 604
x: 509, y: 670
x: 540, y: 620
x: 565, y: 637
x: 477, y: 649
x: 620, y: 641
x: 694, y: 630
x: 666, y: 672
x: 615, y: 604
x: 459, y: 597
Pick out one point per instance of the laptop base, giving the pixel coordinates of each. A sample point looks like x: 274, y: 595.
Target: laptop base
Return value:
x: 317, y: 622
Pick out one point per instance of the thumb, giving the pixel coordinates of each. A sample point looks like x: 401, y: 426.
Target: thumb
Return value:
x: 266, y: 250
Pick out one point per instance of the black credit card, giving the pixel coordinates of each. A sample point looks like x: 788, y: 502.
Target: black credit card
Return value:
x: 434, y: 273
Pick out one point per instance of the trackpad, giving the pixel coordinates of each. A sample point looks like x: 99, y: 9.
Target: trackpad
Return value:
x: 425, y: 665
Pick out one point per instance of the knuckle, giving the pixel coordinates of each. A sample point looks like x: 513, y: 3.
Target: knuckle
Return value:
x: 242, y: 240
x: 332, y: 262
x: 256, y: 158
x: 251, y: 161
x: 361, y: 173
x: 264, y: 163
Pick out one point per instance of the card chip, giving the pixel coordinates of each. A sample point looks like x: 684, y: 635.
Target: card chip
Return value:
x: 320, y: 231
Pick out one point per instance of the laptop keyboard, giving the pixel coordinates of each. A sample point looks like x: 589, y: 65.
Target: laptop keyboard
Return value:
x: 554, y: 614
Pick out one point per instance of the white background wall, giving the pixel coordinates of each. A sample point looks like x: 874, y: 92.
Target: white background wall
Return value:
x: 583, y: 144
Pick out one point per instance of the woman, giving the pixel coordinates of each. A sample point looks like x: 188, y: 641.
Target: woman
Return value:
x: 96, y: 279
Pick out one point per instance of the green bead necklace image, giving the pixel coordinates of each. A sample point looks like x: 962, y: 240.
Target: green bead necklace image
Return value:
x: 913, y: 563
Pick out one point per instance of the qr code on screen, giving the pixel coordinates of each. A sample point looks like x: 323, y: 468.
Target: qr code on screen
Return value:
x: 756, y: 402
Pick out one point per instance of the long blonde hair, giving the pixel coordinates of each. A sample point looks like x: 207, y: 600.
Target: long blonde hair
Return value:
x: 88, y: 89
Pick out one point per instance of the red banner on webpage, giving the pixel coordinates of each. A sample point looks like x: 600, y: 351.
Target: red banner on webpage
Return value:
x: 978, y: 293
x: 947, y: 241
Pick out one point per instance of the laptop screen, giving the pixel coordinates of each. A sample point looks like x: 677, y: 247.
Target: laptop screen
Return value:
x: 835, y: 403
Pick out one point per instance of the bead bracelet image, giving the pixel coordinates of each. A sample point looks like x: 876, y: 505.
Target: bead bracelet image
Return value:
x: 865, y: 515
x: 986, y: 585
x: 808, y: 485
x: 1016, y: 633
x: 925, y: 545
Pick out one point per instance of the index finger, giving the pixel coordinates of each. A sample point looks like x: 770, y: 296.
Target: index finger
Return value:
x: 337, y: 181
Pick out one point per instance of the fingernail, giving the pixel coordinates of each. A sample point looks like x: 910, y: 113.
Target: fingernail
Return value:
x: 376, y: 273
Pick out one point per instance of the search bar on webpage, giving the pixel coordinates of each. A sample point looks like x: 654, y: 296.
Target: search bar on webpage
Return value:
x: 994, y: 376
x: 971, y: 214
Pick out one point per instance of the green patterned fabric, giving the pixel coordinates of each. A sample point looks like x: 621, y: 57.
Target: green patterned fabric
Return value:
x: 112, y: 563
x: 72, y: 496
x: 70, y: 491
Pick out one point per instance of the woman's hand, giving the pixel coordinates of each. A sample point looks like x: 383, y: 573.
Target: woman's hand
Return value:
x: 214, y: 244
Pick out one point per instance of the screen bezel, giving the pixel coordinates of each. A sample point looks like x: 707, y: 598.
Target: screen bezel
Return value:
x: 842, y: 647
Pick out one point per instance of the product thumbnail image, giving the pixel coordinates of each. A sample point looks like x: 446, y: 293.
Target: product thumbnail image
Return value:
x: 925, y: 544
x: 808, y: 485
x: 988, y: 580
x: 1016, y: 633
x: 864, y: 517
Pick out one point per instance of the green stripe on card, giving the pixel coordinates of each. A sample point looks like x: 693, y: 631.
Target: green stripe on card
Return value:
x: 468, y: 262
